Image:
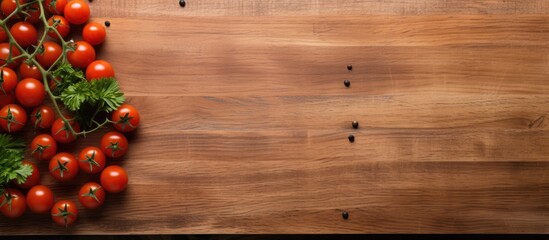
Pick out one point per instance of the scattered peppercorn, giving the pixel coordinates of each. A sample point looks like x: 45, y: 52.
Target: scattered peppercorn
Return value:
x: 107, y: 23
x: 182, y: 3
x: 355, y: 124
x: 347, y: 83
x: 351, y: 138
x: 350, y: 67
x: 345, y: 215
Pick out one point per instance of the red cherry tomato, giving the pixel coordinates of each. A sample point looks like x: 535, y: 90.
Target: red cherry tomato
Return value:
x: 12, y: 203
x: 126, y: 118
x: 8, y: 6
x: 99, y: 69
x: 77, y: 12
x: 32, y: 180
x: 40, y: 199
x: 30, y: 92
x: 56, y: 6
x: 42, y: 117
x: 82, y: 56
x: 63, y: 167
x: 12, y: 118
x: 91, y: 195
x: 61, y: 133
x: 5, y: 52
x: 114, y: 144
x: 34, y: 14
x: 52, y: 51
x: 24, y: 33
x: 63, y: 26
x: 28, y: 71
x: 6, y: 98
x: 43, y: 147
x: 114, y: 179
x: 91, y: 160
x: 64, y: 213
x: 8, y: 79
x: 94, y: 33
x: 3, y: 35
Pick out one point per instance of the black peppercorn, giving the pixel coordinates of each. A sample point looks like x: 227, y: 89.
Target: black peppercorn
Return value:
x: 90, y: 0
x: 350, y: 67
x: 347, y: 83
x: 355, y: 124
x: 107, y: 23
x: 182, y: 3
x: 351, y: 138
x: 345, y: 215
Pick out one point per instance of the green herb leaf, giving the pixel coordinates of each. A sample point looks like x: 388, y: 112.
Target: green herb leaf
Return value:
x: 109, y: 95
x: 65, y: 75
x: 76, y: 94
x: 11, y: 157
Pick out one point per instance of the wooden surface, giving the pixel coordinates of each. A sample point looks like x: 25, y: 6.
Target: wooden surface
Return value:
x: 245, y: 118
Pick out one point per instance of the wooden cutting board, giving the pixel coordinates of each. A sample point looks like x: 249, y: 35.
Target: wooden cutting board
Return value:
x: 245, y: 118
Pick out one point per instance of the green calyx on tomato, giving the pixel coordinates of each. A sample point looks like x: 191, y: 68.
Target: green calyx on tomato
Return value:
x: 8, y: 199
x: 62, y: 167
x: 64, y: 213
x: 115, y: 147
x: 10, y: 118
x: 91, y: 161
x: 92, y: 193
x: 125, y: 121
x: 40, y: 149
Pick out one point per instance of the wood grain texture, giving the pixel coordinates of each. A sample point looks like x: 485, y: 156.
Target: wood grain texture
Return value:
x: 245, y: 118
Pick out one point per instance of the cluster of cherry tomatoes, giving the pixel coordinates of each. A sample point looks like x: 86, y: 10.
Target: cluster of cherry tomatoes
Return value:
x: 22, y: 91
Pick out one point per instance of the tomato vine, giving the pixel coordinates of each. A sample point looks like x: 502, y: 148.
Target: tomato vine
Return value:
x: 76, y: 94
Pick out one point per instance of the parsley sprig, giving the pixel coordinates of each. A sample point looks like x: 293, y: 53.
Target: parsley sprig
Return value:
x: 82, y: 97
x: 11, y: 156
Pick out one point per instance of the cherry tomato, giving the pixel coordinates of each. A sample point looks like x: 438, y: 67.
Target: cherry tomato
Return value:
x: 82, y: 56
x: 61, y: 133
x: 91, y: 160
x: 6, y: 98
x: 126, y: 118
x: 42, y: 117
x: 12, y: 203
x: 8, y: 6
x: 4, y: 55
x: 40, y: 199
x: 28, y: 71
x: 77, y: 12
x: 32, y: 180
x: 91, y: 195
x: 3, y: 35
x: 34, y: 14
x: 30, y: 92
x: 64, y: 213
x: 8, y: 79
x: 24, y: 33
x: 99, y: 69
x: 114, y: 179
x: 114, y: 144
x: 94, y: 33
x: 52, y: 51
x: 63, y: 167
x: 12, y: 118
x: 56, y: 6
x: 63, y: 26
x: 43, y: 147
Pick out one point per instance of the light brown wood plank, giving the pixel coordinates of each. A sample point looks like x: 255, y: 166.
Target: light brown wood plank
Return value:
x: 170, y: 8
x: 381, y: 197
x: 304, y: 113
x: 298, y: 56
